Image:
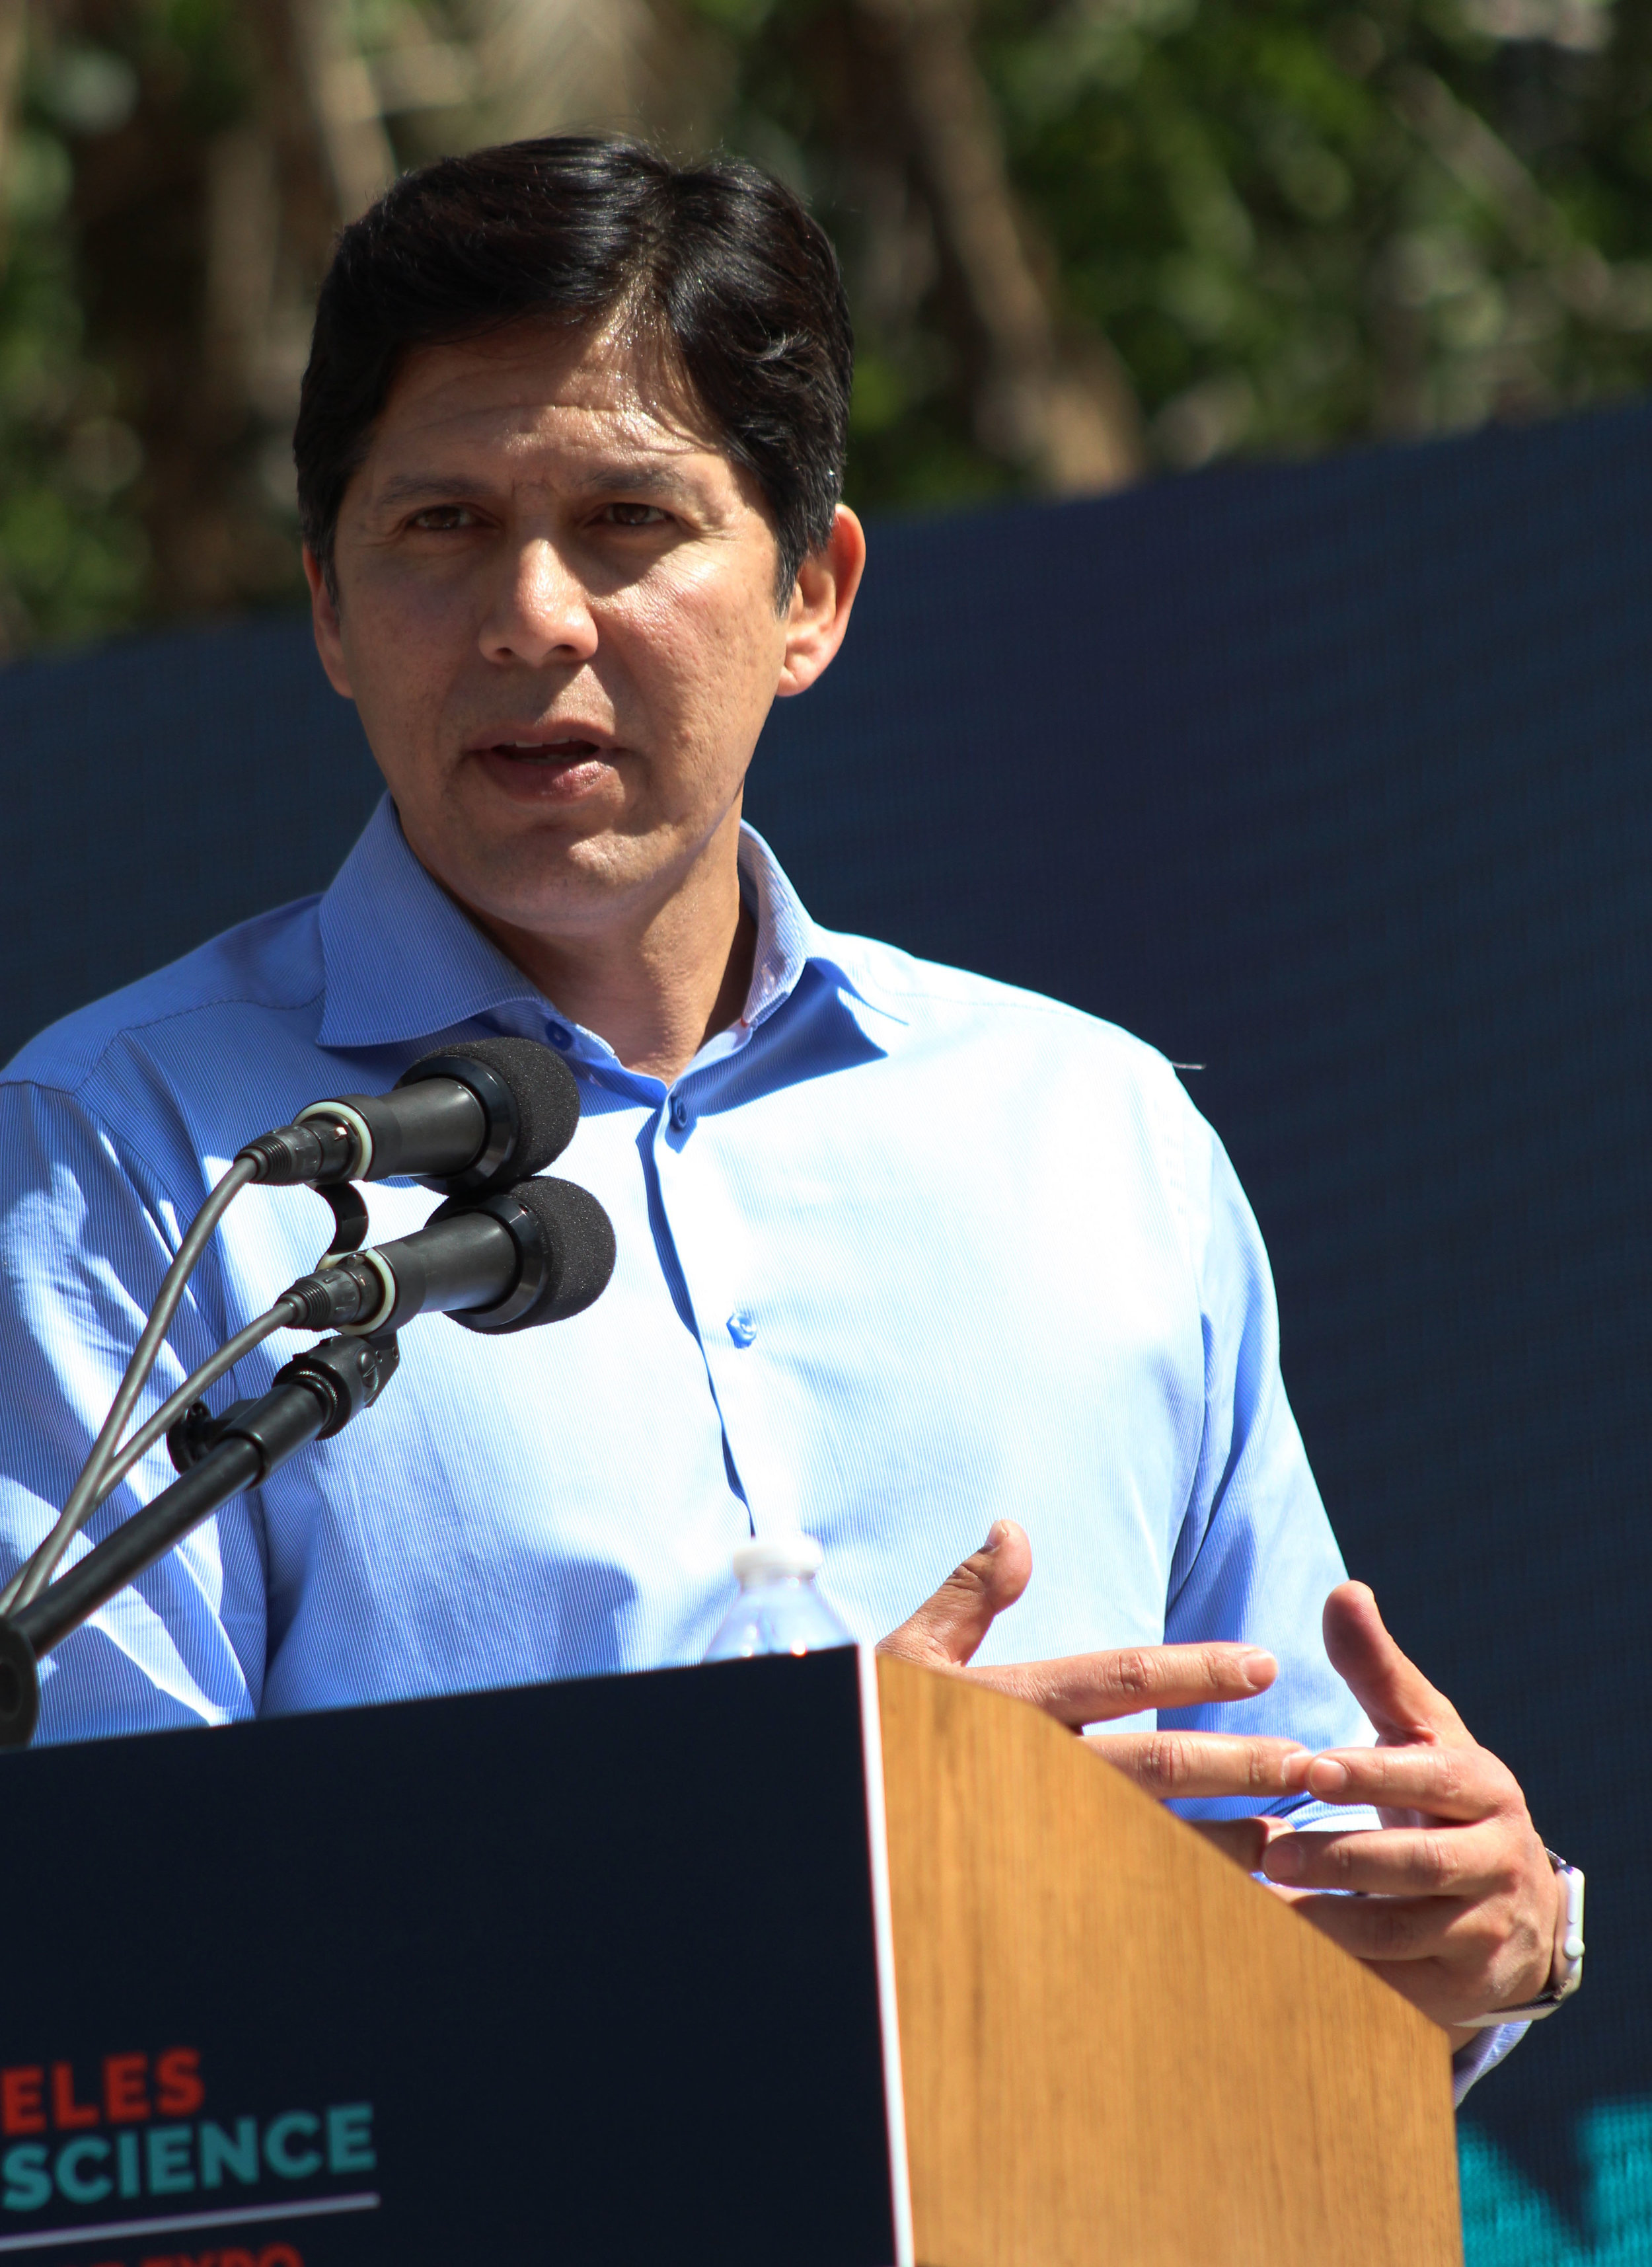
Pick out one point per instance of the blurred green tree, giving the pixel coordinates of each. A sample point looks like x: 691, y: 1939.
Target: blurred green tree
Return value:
x: 1085, y: 238
x: 172, y: 173
x: 1288, y: 223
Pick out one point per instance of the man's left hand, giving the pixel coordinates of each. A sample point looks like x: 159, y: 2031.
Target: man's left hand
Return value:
x: 1461, y: 1908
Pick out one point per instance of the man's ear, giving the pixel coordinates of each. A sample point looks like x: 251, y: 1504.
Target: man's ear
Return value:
x: 324, y: 620
x: 822, y: 599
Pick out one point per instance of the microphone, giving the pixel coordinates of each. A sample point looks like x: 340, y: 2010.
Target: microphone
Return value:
x: 536, y: 1252
x: 470, y: 1120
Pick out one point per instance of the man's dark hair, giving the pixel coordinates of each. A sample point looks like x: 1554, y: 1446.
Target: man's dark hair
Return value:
x: 717, y: 265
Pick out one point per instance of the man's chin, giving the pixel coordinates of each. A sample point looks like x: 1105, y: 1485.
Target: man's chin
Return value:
x: 486, y: 846
x: 552, y: 883
x: 580, y: 871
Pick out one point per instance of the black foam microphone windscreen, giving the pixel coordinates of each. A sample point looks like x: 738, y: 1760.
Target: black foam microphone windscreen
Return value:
x: 578, y: 1247
x: 543, y: 1093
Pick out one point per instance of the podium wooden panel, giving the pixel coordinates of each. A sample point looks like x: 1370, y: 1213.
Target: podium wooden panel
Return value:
x: 610, y: 1970
x: 1116, y: 2047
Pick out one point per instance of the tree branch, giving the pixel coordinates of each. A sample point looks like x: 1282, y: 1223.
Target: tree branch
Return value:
x: 1070, y: 414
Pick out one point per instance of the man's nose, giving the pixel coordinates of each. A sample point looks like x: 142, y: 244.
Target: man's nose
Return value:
x: 541, y: 611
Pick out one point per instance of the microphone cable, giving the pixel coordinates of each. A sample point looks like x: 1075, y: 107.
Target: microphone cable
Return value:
x: 31, y: 1578
x: 537, y: 1252
x: 294, y: 1309
x: 476, y: 1116
x: 284, y: 1315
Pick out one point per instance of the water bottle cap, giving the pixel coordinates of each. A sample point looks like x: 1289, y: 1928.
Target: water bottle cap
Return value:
x: 774, y: 1558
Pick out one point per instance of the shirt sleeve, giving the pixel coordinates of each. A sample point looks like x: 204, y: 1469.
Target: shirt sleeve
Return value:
x: 1255, y: 1556
x: 1470, y: 2064
x: 87, y: 1231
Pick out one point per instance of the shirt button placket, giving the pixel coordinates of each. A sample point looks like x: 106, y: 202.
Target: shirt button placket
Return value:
x: 719, y: 1273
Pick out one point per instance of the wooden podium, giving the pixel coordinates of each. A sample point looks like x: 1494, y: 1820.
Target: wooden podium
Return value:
x: 610, y: 1971
x: 1117, y: 2047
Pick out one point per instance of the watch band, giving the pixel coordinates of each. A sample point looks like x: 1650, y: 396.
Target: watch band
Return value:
x: 1571, y: 1967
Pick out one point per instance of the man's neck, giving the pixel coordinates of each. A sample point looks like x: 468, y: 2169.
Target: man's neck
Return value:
x: 659, y: 992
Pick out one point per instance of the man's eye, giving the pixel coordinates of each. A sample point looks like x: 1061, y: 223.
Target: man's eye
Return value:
x: 633, y: 515
x: 439, y: 518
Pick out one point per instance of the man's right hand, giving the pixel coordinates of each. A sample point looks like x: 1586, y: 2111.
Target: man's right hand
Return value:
x: 1089, y: 1688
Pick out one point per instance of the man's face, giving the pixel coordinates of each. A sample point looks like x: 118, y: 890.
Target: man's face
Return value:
x: 557, y: 618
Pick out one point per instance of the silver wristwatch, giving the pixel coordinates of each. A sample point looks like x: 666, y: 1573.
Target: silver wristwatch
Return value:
x: 1571, y: 1973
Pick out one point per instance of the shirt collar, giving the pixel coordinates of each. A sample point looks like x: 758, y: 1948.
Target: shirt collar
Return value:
x: 786, y: 934
x: 404, y: 962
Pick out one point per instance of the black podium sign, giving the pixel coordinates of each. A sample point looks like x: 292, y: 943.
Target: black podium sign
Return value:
x: 589, y: 1972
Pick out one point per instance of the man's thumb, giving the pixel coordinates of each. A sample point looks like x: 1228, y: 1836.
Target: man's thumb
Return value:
x: 1392, y: 1691
x: 947, y: 1628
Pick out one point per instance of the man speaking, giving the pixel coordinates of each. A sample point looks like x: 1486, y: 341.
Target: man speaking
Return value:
x: 951, y: 1277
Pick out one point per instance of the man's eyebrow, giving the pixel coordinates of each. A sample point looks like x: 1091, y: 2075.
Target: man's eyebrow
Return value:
x: 635, y: 476
x: 426, y: 488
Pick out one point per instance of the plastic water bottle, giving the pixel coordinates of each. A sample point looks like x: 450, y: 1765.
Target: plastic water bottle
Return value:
x: 778, y: 1610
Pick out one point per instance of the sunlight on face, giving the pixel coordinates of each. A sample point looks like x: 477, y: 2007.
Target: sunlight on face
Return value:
x: 556, y: 615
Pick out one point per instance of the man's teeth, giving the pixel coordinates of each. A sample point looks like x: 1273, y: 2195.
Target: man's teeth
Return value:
x: 548, y: 747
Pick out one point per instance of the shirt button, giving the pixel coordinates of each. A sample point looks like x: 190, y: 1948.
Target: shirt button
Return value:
x: 679, y: 1113
x: 742, y: 1328
x: 561, y: 1036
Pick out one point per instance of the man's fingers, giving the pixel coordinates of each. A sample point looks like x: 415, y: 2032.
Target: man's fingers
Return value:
x: 1185, y: 1764
x: 1241, y: 1839
x: 1396, y: 1862
x: 948, y: 1627
x: 1393, y: 1692
x: 1382, y: 1929
x: 1091, y: 1688
x: 1460, y: 1782
x: 1087, y: 1688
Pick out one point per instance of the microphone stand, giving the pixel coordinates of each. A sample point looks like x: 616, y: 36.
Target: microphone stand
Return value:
x: 312, y: 1398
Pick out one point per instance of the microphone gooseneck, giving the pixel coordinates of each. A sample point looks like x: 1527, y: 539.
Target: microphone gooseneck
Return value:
x: 312, y: 1398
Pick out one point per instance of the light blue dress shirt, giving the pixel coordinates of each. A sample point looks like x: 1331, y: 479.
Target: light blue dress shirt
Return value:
x: 902, y: 1251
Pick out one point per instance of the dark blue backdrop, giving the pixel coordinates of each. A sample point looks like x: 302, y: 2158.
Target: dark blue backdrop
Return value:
x: 1334, y: 780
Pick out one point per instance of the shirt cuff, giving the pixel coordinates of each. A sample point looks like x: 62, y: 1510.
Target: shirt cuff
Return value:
x: 1471, y: 2063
